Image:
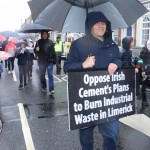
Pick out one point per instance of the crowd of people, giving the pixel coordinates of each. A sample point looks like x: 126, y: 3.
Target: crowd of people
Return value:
x: 21, y: 52
x: 45, y: 51
x: 141, y: 64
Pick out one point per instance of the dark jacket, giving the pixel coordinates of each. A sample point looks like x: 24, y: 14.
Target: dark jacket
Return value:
x: 47, y: 53
x: 4, y: 44
x: 31, y: 58
x: 22, y: 58
x: 125, y: 52
x: 145, y: 56
x: 105, y: 52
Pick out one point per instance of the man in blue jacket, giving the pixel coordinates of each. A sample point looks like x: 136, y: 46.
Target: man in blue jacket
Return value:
x: 96, y: 50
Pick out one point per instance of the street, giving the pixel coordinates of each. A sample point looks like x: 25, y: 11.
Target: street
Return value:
x: 34, y: 121
x: 46, y: 116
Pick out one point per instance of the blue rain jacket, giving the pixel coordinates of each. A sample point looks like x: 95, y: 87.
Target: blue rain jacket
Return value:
x: 105, y: 52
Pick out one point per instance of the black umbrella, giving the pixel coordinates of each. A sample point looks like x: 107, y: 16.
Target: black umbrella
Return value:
x: 37, y: 6
x: 33, y: 28
x: 10, y: 34
x: 70, y: 17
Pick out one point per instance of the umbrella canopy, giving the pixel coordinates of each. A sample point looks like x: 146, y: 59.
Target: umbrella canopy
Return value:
x: 33, y: 28
x: 13, y: 40
x: 4, y: 55
x: 26, y: 36
x: 37, y: 6
x: 70, y: 17
x: 10, y: 34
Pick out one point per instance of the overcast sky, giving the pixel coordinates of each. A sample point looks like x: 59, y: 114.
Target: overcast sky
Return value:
x: 13, y: 13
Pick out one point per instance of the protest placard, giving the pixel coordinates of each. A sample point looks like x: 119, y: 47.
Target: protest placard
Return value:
x: 96, y: 97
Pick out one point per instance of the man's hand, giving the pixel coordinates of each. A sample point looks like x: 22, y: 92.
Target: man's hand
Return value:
x: 22, y: 51
x: 143, y: 74
x: 112, y: 68
x: 89, y: 62
x: 136, y: 70
x: 37, y: 48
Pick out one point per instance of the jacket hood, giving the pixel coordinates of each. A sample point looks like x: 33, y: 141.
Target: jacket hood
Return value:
x: 126, y: 42
x: 95, y: 17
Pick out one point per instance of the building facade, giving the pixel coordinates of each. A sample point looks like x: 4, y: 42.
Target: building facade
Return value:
x: 140, y: 31
x: 143, y: 25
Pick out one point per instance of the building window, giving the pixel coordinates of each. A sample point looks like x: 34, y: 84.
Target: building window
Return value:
x: 115, y: 36
x: 145, y: 29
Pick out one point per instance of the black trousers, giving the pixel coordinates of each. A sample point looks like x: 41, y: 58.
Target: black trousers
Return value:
x: 29, y: 70
x: 143, y: 90
x: 11, y: 63
x: 58, y: 60
x: 23, y: 73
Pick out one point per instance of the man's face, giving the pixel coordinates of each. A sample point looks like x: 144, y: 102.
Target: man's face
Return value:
x: 99, y: 29
x: 22, y: 46
x: 44, y: 35
x: 138, y: 66
x: 58, y: 39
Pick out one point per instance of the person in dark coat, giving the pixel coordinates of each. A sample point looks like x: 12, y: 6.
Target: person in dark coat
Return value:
x: 30, y: 64
x: 125, y: 52
x: 145, y: 56
x: 30, y: 47
x: 23, y: 56
x: 44, y: 50
x: 138, y: 62
x: 96, y: 50
x: 3, y: 49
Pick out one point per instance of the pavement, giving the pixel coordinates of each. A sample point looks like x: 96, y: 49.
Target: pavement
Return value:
x: 34, y: 121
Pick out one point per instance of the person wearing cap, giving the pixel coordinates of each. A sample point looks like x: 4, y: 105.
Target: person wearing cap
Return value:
x: 46, y: 56
x: 96, y: 50
x: 145, y: 56
x: 138, y: 62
